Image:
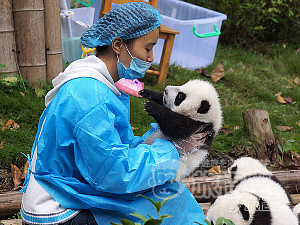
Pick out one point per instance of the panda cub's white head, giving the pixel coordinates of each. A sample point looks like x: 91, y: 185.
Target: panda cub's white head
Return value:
x: 239, y: 207
x: 246, y: 166
x: 196, y: 99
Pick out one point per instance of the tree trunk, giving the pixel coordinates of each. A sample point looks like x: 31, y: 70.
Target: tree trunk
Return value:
x: 30, y: 39
x: 53, y: 39
x: 258, y: 125
x: 7, y: 37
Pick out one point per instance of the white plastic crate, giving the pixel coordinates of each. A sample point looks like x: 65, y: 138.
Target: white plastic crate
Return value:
x: 189, y: 51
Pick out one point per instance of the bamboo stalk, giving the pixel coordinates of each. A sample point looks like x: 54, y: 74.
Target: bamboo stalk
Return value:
x: 53, y: 39
x: 7, y: 37
x: 30, y: 39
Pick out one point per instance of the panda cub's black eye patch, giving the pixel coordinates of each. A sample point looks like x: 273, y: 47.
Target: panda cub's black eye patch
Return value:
x: 204, y: 107
x: 179, y: 98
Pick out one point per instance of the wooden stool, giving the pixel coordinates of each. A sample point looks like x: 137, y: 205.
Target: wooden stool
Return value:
x: 168, y: 34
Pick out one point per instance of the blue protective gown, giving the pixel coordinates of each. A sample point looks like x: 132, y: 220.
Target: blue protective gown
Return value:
x: 87, y: 157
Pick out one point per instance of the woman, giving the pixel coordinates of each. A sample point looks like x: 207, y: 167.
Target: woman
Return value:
x: 86, y: 165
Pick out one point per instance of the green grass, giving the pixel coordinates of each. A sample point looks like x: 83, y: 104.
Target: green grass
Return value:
x: 251, y: 84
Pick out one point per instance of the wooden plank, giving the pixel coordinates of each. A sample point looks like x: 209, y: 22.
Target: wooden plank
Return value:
x: 169, y: 30
x: 10, y: 204
x: 204, y: 190
x: 208, y: 188
x: 11, y: 222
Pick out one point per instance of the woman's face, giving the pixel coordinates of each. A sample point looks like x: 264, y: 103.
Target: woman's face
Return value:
x: 142, y: 48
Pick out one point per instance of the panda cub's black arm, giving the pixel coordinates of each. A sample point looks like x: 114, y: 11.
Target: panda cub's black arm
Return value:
x: 173, y: 124
x: 151, y: 95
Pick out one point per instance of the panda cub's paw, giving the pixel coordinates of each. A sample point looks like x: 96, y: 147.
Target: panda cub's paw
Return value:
x: 151, y: 95
x: 145, y: 93
x: 152, y: 108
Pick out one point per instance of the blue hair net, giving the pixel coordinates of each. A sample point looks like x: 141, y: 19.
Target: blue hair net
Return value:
x: 127, y: 21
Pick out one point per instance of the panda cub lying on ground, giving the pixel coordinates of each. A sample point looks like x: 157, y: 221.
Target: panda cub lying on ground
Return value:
x: 190, y: 116
x: 260, y: 198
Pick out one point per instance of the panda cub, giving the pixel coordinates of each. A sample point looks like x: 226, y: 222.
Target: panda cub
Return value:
x: 245, y: 208
x: 190, y: 116
x: 249, y: 175
x: 242, y: 208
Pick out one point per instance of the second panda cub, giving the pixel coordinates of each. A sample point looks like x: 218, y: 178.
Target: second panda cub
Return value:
x: 190, y: 116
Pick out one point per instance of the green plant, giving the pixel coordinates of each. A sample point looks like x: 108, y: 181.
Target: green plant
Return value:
x: 43, y: 87
x: 150, y: 220
x: 16, y: 216
x: 288, y: 147
x: 220, y: 221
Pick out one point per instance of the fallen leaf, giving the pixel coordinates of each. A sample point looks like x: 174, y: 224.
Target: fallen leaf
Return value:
x: 215, y: 170
x: 280, y: 99
x: 288, y: 99
x: 297, y: 81
x: 287, y: 87
x: 298, y: 123
x: 9, y: 123
x: 26, y: 166
x: 16, y: 175
x: 226, y: 131
x: 203, y: 72
x: 283, y: 128
x: 2, y: 144
x: 218, y: 72
x: 134, y: 128
x: 22, y: 93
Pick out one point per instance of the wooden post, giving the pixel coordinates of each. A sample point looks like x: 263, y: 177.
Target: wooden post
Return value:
x: 30, y: 39
x: 258, y: 125
x: 7, y: 37
x: 53, y: 39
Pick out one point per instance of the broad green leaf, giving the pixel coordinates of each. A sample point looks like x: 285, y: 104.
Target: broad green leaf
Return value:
x: 220, y: 220
x: 126, y: 222
x: 158, y: 206
x: 162, y: 217
x: 207, y: 222
x: 138, y: 215
x: 228, y: 222
x: 280, y: 148
x: 148, y: 199
x: 153, y: 222
x: 167, y: 198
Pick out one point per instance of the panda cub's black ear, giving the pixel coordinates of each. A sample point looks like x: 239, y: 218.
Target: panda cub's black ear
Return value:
x: 204, y: 107
x: 233, y: 172
x: 244, y: 211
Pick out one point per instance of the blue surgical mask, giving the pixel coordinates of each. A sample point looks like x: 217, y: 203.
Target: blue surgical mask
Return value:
x: 136, y: 70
